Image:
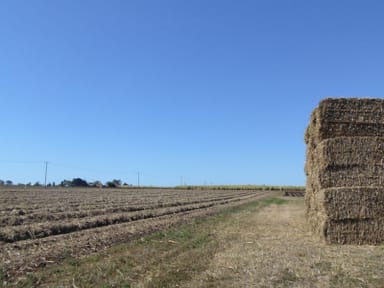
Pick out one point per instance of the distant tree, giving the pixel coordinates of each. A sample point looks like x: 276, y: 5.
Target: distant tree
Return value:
x: 97, y: 184
x: 78, y: 182
x: 110, y: 184
x: 65, y: 183
x: 8, y: 182
x: 2, y: 182
x: 114, y: 183
x: 37, y: 184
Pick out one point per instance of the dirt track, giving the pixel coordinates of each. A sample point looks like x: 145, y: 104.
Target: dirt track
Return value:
x: 273, y: 247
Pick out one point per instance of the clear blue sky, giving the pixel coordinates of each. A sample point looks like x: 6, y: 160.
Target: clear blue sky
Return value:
x: 214, y: 91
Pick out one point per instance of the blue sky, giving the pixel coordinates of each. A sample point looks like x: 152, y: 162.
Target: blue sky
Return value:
x: 216, y: 92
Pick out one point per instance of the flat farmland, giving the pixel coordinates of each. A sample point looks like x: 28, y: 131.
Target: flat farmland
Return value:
x: 39, y: 227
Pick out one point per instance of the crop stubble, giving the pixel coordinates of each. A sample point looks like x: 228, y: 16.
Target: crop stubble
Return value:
x: 43, y: 226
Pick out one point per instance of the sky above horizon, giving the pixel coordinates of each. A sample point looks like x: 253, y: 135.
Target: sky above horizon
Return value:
x: 184, y: 92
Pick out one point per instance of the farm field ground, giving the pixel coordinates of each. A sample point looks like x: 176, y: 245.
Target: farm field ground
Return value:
x: 263, y: 242
x: 41, y: 227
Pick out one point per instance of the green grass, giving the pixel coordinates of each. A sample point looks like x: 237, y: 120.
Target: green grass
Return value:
x: 271, y: 201
x: 2, y: 277
x: 286, y: 278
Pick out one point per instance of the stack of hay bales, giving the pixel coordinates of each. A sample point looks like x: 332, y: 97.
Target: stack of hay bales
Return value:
x: 345, y: 171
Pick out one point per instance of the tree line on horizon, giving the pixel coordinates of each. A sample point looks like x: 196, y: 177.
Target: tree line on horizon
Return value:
x: 75, y: 182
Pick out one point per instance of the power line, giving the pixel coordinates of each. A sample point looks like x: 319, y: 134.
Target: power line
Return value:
x: 96, y: 173
x: 21, y: 162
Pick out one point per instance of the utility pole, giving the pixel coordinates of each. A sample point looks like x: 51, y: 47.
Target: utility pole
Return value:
x: 46, y: 172
x: 138, y: 179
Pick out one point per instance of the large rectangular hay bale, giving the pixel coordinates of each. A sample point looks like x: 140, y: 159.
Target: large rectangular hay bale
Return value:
x: 346, y: 162
x: 348, y: 151
x: 336, y: 117
x: 354, y: 231
x: 347, y: 176
x: 345, y: 171
x: 352, y: 203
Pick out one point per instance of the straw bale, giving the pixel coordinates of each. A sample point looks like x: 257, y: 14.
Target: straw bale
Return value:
x: 336, y: 117
x: 345, y: 171
x: 352, y: 110
x: 352, y: 203
x: 354, y: 231
x: 316, y: 220
x: 348, y: 176
x: 348, y: 151
x: 346, y: 162
x: 311, y: 198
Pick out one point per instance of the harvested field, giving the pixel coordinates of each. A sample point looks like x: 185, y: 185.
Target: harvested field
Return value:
x: 294, y: 193
x: 263, y: 243
x: 43, y: 226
